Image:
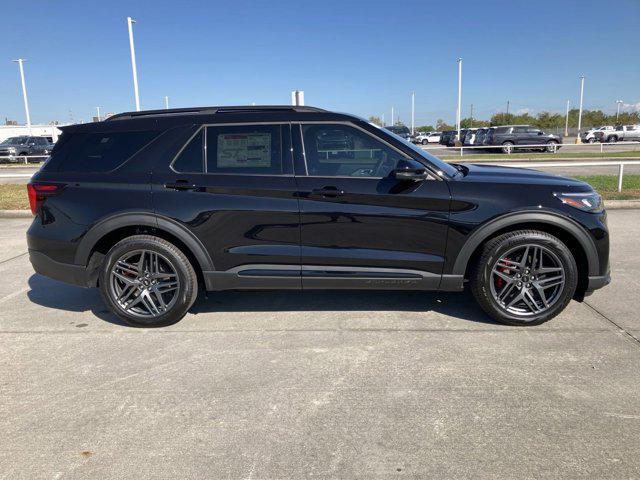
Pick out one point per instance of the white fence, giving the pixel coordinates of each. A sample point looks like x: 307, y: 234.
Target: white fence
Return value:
x: 553, y: 147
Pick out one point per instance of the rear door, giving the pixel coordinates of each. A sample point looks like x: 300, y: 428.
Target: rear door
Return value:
x: 360, y: 226
x: 233, y: 187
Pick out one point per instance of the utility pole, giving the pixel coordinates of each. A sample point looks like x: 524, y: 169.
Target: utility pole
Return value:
x: 20, y: 61
x: 134, y: 69
x: 413, y: 111
x: 459, y: 111
x: 166, y: 102
x: 471, y: 115
x: 580, y: 112
x: 566, y: 122
x: 507, y: 107
x: 392, y: 117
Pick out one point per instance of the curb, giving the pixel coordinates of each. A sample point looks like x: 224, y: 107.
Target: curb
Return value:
x: 15, y: 214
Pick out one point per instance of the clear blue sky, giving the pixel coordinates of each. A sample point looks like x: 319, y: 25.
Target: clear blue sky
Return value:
x: 354, y: 56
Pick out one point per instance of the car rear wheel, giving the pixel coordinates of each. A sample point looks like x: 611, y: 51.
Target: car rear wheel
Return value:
x: 507, y: 147
x: 425, y: 141
x: 552, y: 146
x: 592, y: 140
x: 612, y: 139
x: 525, y: 277
x: 148, y: 282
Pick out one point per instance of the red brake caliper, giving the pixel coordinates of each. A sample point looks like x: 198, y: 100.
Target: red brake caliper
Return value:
x: 499, y: 281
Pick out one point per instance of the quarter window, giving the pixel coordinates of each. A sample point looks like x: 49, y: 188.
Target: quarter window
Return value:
x: 190, y: 160
x: 344, y: 151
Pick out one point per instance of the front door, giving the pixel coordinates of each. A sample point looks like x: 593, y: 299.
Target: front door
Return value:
x: 233, y: 187
x: 360, y: 226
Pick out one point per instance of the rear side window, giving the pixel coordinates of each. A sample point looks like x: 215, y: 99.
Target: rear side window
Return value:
x: 244, y: 149
x: 99, y: 152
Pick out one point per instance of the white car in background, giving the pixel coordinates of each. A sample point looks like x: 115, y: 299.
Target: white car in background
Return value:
x: 427, y: 137
x: 590, y: 135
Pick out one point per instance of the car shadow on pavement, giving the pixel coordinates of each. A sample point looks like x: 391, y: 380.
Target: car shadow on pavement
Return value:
x: 53, y: 294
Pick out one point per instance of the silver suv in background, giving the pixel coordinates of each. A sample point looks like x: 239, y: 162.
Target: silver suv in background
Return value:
x: 626, y: 133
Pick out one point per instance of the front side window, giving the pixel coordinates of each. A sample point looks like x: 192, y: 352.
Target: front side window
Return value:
x: 344, y: 151
x: 244, y: 149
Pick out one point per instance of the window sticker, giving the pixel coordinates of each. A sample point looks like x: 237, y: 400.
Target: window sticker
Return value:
x: 237, y: 150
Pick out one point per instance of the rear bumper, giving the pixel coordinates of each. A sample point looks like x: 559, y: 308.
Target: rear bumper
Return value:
x: 64, y: 272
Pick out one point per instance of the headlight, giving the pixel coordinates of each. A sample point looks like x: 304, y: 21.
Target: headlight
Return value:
x: 588, y: 201
x: 12, y: 150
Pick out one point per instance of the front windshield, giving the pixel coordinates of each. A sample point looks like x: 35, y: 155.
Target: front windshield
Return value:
x: 444, y: 167
x: 15, y: 141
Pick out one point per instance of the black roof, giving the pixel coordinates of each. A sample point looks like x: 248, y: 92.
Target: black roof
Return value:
x: 222, y: 114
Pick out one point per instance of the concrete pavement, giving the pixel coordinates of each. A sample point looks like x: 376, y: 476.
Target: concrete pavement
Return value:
x: 328, y: 385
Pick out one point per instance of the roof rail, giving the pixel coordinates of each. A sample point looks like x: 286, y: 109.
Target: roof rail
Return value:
x: 214, y: 110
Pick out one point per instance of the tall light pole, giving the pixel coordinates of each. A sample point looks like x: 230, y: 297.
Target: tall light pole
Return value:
x: 459, y: 111
x: 566, y: 121
x: 20, y: 61
x: 166, y: 102
x: 618, y: 102
x: 413, y: 111
x: 392, y: 117
x: 580, y: 111
x: 98, y: 109
x: 134, y: 69
x: 507, y: 107
x: 383, y: 124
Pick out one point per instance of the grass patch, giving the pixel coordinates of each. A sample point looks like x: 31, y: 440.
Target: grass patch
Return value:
x: 607, y: 186
x: 14, y: 197
x: 533, y: 155
x: 21, y: 165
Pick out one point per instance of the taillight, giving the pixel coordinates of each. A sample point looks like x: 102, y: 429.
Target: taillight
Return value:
x: 39, y: 192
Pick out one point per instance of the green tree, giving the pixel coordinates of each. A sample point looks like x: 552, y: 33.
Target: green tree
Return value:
x: 376, y: 120
x: 441, y: 125
x: 425, y: 128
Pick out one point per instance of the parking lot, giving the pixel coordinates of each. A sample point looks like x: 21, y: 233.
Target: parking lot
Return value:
x: 289, y: 385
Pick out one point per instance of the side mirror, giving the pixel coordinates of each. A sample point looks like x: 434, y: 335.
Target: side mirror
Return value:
x: 540, y: 133
x: 410, y: 174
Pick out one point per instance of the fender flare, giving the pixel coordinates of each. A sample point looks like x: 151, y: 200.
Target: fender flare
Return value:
x: 147, y: 219
x: 485, y: 231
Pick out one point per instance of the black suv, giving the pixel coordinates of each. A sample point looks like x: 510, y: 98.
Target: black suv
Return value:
x: 151, y: 206
x: 524, y: 137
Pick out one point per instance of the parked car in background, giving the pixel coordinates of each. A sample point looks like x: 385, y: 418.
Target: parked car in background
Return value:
x: 470, y: 136
x: 512, y: 137
x: 24, y: 146
x: 448, y: 138
x: 627, y: 133
x: 427, y: 137
x: 590, y: 135
x: 139, y: 208
x: 400, y: 130
x: 479, y: 136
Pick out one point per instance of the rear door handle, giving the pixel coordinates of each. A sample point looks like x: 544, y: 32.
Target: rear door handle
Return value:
x: 327, y: 192
x: 181, y: 185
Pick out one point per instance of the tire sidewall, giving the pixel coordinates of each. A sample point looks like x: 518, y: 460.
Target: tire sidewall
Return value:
x: 565, y: 257
x: 185, y: 292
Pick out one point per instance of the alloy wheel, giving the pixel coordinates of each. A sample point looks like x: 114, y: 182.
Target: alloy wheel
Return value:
x: 144, y: 283
x: 527, y: 280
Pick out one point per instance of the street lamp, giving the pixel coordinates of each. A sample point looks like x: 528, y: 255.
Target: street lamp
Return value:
x: 130, y: 23
x: 580, y: 111
x: 413, y: 111
x: 166, y: 102
x: 20, y: 61
x: 618, y: 102
x: 566, y: 121
x: 459, y: 111
x: 98, y: 109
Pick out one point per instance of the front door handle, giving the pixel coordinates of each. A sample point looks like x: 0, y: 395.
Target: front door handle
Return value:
x: 181, y: 185
x: 327, y: 192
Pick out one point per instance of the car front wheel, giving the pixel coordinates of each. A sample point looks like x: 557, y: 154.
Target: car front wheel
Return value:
x: 525, y: 277
x: 507, y: 147
x: 147, y: 281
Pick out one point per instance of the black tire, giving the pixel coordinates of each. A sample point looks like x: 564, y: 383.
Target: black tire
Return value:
x: 612, y: 139
x: 185, y: 294
x: 425, y: 142
x: 508, y: 147
x: 592, y: 140
x: 481, y: 276
x: 552, y: 146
